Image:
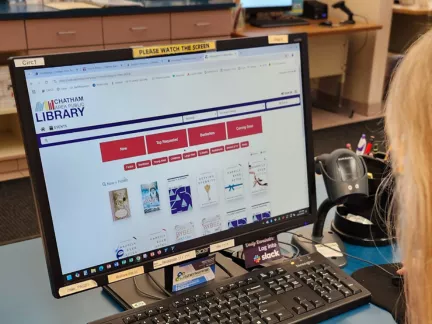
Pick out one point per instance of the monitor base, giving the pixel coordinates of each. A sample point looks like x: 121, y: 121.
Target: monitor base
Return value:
x: 306, y: 246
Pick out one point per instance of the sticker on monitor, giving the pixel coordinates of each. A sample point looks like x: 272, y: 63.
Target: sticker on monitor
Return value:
x: 126, y: 248
x: 207, y: 186
x: 119, y: 201
x: 158, y: 239
x: 233, y: 182
x: 258, y: 178
x: 236, y: 218
x: 180, y: 194
x: 261, y: 211
x: 150, y: 197
x: 211, y: 225
x: 184, y: 232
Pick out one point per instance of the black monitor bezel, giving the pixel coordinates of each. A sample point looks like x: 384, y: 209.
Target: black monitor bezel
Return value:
x: 255, y: 10
x: 37, y: 176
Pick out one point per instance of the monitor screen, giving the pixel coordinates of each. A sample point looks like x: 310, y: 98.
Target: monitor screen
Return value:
x: 248, y: 4
x: 147, y: 157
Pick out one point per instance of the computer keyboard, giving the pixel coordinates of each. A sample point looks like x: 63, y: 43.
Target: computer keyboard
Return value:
x: 307, y: 289
x: 280, y: 22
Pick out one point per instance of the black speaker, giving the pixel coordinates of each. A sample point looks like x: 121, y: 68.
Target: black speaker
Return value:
x: 313, y: 9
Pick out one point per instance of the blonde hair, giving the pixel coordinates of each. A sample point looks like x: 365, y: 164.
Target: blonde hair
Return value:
x: 409, y: 130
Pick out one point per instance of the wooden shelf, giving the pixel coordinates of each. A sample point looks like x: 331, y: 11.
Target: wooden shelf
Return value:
x: 7, y: 111
x: 11, y: 147
x: 322, y: 119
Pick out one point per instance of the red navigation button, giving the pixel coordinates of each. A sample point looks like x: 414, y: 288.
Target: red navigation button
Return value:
x: 189, y: 155
x: 176, y: 157
x: 217, y: 149
x: 207, y: 134
x: 122, y: 149
x: 231, y: 147
x: 244, y: 144
x: 166, y: 141
x: 244, y: 127
x: 203, y: 152
x: 143, y: 164
x: 159, y: 161
x: 129, y: 166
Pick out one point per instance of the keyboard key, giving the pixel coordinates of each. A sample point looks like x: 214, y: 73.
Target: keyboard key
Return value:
x: 254, y: 289
x: 251, y: 299
x: 251, y: 281
x: 315, y: 276
x: 222, y: 308
x: 158, y: 320
x: 288, y: 277
x: 263, y: 304
x: 295, y: 284
x: 220, y: 318
x: 298, y: 299
x: 179, y: 314
x: 129, y: 319
x: 178, y: 303
x: 263, y: 276
x: 208, y: 294
x: 151, y: 312
x: 300, y: 274
x: 272, y: 273
x: 140, y: 316
x: 232, y: 286
x: 241, y: 311
x: 243, y: 320
x: 188, y: 300
x: 198, y: 297
x: 307, y: 305
x: 168, y: 316
x: 325, y: 274
x: 325, y: 266
x: 210, y: 303
x: 271, y: 319
x: 280, y: 271
x: 280, y: 281
x: 312, y: 285
x: 258, y: 321
x: 317, y: 303
x: 222, y: 290
x: 242, y: 301
x: 190, y: 310
x: 230, y: 297
x: 162, y: 309
x: 271, y: 283
x: 200, y: 307
x: 317, y: 267
x: 250, y: 307
x: 192, y: 319
x: 283, y: 315
x: 354, y: 289
x: 253, y: 316
x: 270, y: 309
x: 333, y: 296
x: 345, y: 291
x: 239, y: 293
x: 331, y: 280
x: 262, y: 295
x: 212, y: 311
x: 219, y: 300
x: 337, y: 285
x: 241, y: 283
x: 209, y: 320
x: 299, y: 310
x: 320, y: 291
x: 287, y: 287
x: 232, y: 305
x: 328, y: 288
x: 231, y: 315
x: 307, y: 280
x: 179, y: 321
x: 309, y: 271
x: 278, y: 290
x: 202, y: 315
x: 321, y: 282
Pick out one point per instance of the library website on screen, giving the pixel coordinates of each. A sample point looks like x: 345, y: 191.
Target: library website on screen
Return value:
x: 163, y: 153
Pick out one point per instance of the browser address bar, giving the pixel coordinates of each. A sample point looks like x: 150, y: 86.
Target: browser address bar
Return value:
x: 55, y: 139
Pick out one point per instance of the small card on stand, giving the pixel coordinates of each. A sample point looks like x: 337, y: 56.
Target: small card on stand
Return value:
x: 261, y: 251
x: 193, y: 273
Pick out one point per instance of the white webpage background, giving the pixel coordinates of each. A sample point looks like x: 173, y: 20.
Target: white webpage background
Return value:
x: 85, y: 231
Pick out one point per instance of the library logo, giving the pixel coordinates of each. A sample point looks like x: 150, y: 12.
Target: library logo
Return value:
x: 61, y: 108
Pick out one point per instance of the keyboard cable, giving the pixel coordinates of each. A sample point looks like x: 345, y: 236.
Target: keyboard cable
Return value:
x: 144, y: 294
x: 344, y: 253
x: 162, y: 288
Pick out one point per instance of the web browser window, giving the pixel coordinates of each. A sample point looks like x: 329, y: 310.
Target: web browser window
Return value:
x: 140, y: 156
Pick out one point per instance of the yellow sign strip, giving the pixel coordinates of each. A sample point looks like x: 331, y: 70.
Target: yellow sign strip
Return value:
x: 139, y: 52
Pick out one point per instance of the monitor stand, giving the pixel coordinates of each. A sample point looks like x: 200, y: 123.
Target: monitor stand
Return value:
x: 127, y: 296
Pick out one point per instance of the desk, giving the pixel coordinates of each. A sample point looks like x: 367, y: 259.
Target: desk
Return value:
x: 25, y: 292
x: 409, y: 23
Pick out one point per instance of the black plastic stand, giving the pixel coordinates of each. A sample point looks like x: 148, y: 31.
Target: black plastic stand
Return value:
x: 349, y: 21
x: 304, y: 243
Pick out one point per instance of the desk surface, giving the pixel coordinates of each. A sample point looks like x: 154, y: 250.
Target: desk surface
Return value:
x: 413, y: 10
x: 312, y: 30
x: 25, y: 293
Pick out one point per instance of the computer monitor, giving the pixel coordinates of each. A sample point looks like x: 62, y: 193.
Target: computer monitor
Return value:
x: 138, y: 163
x: 267, y: 5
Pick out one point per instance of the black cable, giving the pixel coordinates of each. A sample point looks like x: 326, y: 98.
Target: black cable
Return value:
x: 142, y: 293
x: 344, y: 253
x: 162, y: 288
x: 224, y: 269
x: 366, y: 37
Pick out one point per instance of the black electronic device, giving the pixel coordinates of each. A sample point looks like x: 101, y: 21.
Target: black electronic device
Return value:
x: 313, y: 9
x: 345, y: 175
x: 342, y: 6
x: 152, y: 183
x: 277, y: 21
x: 308, y: 289
x: 326, y: 23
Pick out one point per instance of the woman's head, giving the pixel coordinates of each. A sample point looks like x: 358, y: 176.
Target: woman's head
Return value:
x: 409, y: 130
